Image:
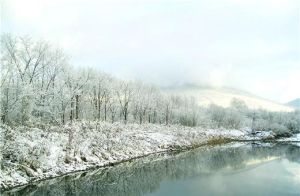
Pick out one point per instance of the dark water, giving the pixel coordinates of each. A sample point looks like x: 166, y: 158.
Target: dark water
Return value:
x: 232, y: 169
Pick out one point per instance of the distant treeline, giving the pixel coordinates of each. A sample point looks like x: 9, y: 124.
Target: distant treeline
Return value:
x: 40, y: 87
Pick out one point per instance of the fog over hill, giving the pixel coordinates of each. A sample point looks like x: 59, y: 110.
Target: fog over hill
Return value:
x: 222, y: 96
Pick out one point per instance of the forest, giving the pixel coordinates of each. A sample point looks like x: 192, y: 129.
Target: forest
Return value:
x: 39, y: 87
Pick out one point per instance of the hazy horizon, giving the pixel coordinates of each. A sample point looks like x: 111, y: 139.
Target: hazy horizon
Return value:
x: 249, y: 45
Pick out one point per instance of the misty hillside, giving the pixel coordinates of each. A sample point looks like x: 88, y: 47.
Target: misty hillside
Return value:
x: 294, y: 103
x: 206, y: 95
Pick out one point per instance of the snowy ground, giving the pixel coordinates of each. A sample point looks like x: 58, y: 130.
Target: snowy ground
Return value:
x: 30, y: 154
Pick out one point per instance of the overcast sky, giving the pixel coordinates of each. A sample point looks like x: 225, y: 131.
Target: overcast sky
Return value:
x: 252, y: 45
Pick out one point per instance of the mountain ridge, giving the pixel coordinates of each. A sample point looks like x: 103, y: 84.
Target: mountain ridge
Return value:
x: 295, y: 103
x: 222, y: 96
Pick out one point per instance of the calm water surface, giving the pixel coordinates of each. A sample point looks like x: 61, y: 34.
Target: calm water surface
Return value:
x: 231, y: 169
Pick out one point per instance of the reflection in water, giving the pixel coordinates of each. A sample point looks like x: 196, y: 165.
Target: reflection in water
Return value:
x: 247, y: 169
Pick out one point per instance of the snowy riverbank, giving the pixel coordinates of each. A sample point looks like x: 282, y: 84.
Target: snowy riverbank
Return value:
x: 31, y: 154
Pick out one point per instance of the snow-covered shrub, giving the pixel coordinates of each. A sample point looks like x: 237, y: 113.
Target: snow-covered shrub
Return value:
x: 280, y: 130
x: 230, y: 118
x: 260, y: 125
x: 217, y: 116
x: 293, y: 125
x: 233, y: 119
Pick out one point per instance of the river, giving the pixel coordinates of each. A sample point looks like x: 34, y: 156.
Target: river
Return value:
x: 229, y: 169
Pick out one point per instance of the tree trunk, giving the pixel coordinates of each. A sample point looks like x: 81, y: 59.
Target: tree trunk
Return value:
x: 77, y: 107
x: 105, y: 111
x: 71, y: 112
